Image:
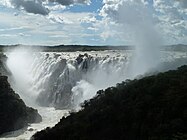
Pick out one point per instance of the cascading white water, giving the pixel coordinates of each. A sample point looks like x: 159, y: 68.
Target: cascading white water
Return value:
x: 65, y: 79
x: 74, y: 78
x: 45, y: 76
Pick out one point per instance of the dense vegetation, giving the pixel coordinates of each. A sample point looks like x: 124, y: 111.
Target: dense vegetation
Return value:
x: 152, y: 108
x: 72, y: 48
x: 66, y: 48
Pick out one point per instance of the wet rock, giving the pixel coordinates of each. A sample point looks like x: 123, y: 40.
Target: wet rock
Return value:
x: 3, y: 67
x: 79, y: 59
x: 30, y: 129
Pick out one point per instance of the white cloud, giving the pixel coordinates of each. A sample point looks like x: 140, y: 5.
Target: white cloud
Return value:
x: 90, y: 18
x: 14, y: 35
x: 11, y: 29
x: 169, y: 17
x: 55, y: 7
x: 8, y: 35
x: 71, y: 17
x: 42, y: 7
x: 69, y: 30
x: 69, y: 2
x: 31, y: 6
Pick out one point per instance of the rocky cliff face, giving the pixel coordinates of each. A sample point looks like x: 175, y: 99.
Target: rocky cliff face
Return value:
x: 14, y: 114
x: 3, y: 68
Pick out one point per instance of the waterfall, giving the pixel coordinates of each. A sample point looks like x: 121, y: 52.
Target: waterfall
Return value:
x: 65, y: 79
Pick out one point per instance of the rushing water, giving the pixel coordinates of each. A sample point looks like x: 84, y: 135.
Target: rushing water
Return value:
x: 65, y: 79
x: 50, y: 117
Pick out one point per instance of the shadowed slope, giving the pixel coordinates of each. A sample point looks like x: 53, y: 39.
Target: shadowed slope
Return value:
x: 152, y: 108
x: 14, y: 113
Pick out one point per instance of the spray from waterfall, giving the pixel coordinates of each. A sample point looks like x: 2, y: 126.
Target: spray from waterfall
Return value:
x: 66, y: 79
x: 19, y: 62
x: 69, y: 78
x: 137, y: 17
x: 63, y: 79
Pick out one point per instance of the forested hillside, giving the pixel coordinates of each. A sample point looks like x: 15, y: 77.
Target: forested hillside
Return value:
x: 152, y: 108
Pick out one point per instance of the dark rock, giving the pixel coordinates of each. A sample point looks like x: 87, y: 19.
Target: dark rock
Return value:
x: 14, y: 114
x: 79, y: 59
x: 30, y: 129
x: 56, y: 55
x: 3, y: 67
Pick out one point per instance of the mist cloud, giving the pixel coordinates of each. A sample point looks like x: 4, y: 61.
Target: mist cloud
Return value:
x: 137, y: 17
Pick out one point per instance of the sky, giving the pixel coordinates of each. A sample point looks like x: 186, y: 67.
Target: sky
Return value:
x: 90, y: 22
